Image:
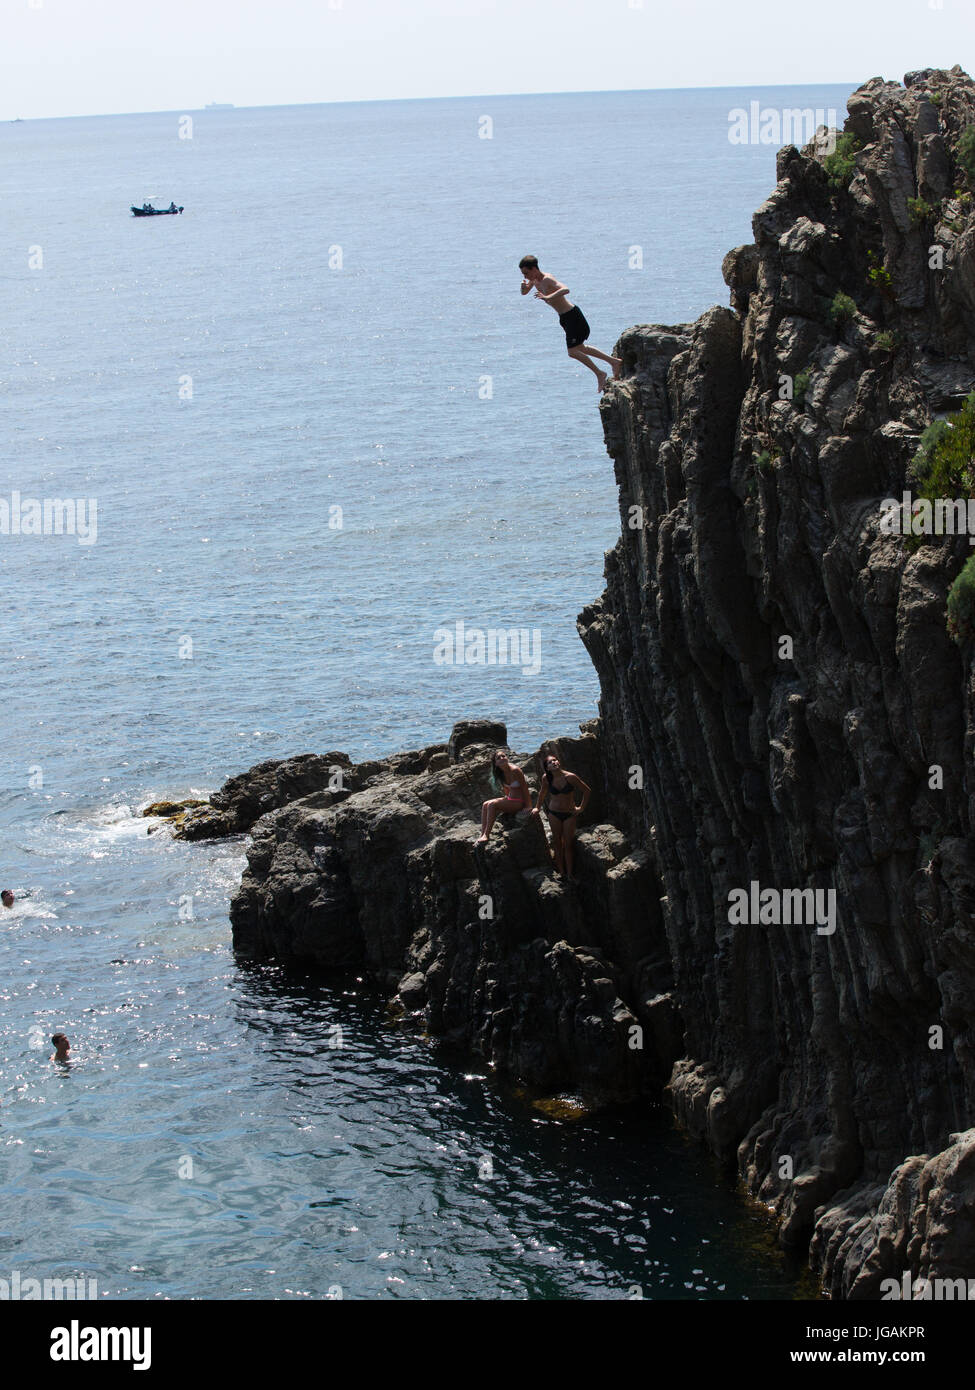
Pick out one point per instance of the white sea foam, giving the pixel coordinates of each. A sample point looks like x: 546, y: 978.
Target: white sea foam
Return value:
x: 105, y: 825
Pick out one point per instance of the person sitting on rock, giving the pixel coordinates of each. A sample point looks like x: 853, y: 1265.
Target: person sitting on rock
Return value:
x: 558, y: 788
x: 504, y: 776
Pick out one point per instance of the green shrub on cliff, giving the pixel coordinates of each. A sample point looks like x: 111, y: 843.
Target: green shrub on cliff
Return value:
x: 801, y: 386
x: 921, y: 464
x: 840, y: 164
x: 842, y: 309
x: 878, y: 274
x: 966, y: 152
x: 961, y: 605
x: 920, y: 211
x: 928, y: 843
x: 944, y: 465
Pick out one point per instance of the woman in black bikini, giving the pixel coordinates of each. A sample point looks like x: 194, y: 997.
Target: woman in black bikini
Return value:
x: 558, y: 788
x: 517, y: 797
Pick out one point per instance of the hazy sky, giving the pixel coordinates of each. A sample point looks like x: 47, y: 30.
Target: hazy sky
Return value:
x: 80, y: 57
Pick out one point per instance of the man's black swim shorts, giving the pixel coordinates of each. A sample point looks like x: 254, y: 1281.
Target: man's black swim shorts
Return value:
x: 574, y: 324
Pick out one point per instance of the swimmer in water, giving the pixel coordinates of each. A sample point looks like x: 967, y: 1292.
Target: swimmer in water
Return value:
x: 63, y: 1048
x: 7, y: 898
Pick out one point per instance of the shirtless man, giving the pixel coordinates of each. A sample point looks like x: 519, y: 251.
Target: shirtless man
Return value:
x: 63, y: 1048
x: 571, y: 318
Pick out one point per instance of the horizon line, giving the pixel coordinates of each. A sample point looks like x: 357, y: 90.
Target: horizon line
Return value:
x: 475, y: 96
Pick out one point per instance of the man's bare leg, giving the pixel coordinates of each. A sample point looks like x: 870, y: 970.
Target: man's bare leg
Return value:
x: 582, y: 355
x: 605, y: 357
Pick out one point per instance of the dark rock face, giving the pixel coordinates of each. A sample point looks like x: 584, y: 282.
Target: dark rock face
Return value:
x: 475, y: 733
x: 809, y: 1056
x: 562, y: 985
x: 244, y: 799
x: 921, y: 1223
x: 781, y: 706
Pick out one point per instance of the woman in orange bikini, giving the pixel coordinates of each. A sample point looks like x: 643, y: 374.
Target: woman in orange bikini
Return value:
x: 558, y: 788
x: 517, y: 797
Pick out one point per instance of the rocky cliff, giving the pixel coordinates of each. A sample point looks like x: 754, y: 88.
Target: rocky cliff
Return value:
x: 751, y: 514
x: 781, y: 707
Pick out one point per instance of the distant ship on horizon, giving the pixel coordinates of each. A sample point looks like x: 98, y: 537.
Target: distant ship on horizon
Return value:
x: 219, y: 106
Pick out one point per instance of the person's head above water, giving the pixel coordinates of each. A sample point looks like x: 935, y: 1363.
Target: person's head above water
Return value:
x: 62, y: 1045
x: 7, y: 898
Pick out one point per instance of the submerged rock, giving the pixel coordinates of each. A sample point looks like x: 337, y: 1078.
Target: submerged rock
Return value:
x: 173, y: 812
x: 169, y: 809
x: 567, y: 1109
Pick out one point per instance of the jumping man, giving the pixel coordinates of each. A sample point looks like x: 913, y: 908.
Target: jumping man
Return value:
x: 571, y: 317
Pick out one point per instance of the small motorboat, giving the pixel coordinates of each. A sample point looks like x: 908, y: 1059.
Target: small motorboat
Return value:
x: 147, y: 210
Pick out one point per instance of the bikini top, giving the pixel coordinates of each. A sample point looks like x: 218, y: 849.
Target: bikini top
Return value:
x: 558, y: 791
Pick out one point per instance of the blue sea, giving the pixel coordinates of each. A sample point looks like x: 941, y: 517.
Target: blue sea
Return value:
x: 313, y: 421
